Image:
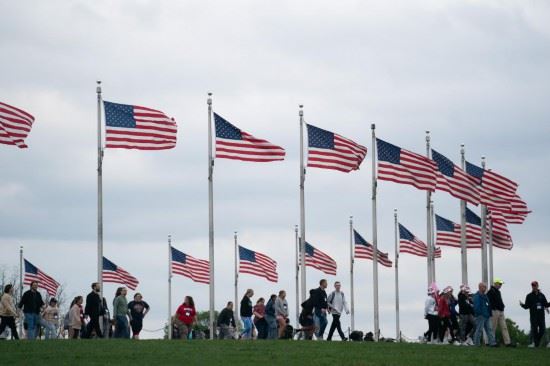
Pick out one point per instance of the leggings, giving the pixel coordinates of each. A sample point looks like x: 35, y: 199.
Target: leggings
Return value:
x: 433, y: 330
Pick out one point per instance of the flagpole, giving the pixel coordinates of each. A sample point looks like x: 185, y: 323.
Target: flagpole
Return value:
x: 374, y: 238
x: 20, y: 286
x: 351, y: 264
x: 491, y: 278
x: 463, y: 243
x: 169, y: 286
x: 428, y: 220
x: 99, y: 192
x: 236, y: 281
x: 396, y: 232
x: 302, y: 208
x: 211, y: 216
x: 432, y: 219
x: 484, y: 274
x: 297, y: 249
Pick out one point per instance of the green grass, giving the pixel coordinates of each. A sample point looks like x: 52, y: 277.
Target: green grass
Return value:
x: 206, y: 352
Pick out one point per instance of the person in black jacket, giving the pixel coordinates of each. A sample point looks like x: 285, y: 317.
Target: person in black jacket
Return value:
x: 320, y: 305
x: 497, y: 311
x: 94, y: 309
x: 536, y: 302
x: 32, y: 305
x: 226, y: 322
x: 466, y: 315
x: 246, y: 315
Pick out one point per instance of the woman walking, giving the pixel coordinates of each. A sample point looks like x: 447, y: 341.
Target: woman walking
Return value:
x: 138, y: 310
x: 246, y: 314
x: 120, y: 311
x: 259, y: 318
x: 50, y: 319
x: 281, y: 312
x: 8, y: 312
x: 75, y: 317
x: 186, y: 317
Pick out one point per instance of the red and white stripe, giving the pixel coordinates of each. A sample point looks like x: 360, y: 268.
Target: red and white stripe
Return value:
x: 153, y: 131
x: 322, y: 262
x: 414, y: 169
x: 249, y: 148
x: 120, y: 276
x: 263, y: 267
x: 15, y: 125
x: 346, y: 156
x: 366, y: 252
x: 44, y: 281
x: 416, y: 247
x: 460, y: 186
x: 196, y: 269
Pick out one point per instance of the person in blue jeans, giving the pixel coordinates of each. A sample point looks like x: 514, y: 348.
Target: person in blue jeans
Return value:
x: 246, y: 314
x: 121, y: 312
x: 320, y: 306
x: 32, y: 305
x: 482, y: 313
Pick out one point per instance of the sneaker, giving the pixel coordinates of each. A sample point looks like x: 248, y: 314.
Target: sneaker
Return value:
x: 344, y: 339
x: 532, y: 345
x: 456, y: 343
x: 469, y: 342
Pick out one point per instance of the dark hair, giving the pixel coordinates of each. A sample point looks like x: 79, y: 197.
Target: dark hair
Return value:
x: 337, y: 283
x: 75, y: 300
x: 272, y: 297
x: 189, y: 300
x: 33, y: 282
x: 137, y: 294
x: 229, y: 303
x: 93, y: 284
x: 53, y: 300
x: 118, y: 291
x: 260, y: 300
x: 321, y: 282
x: 8, y: 288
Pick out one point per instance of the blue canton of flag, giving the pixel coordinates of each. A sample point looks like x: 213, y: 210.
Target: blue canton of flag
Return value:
x: 258, y: 264
x: 452, y: 179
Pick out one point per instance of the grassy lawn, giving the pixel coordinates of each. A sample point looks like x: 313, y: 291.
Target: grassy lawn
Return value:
x: 260, y: 353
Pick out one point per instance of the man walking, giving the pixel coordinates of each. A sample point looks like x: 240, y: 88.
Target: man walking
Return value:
x: 497, y: 312
x: 319, y: 297
x: 536, y: 302
x: 94, y: 309
x: 336, y: 305
x: 32, y: 305
x: 226, y: 322
x: 482, y: 312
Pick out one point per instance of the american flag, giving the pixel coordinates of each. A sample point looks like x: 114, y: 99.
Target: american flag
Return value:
x: 258, y: 264
x: 452, y: 179
x: 501, y: 236
x: 32, y: 273
x: 134, y: 127
x: 232, y: 143
x: 15, y: 125
x: 328, y: 150
x: 363, y: 249
x: 408, y: 243
x: 448, y: 234
x: 196, y: 269
x: 401, y: 166
x: 116, y: 274
x: 319, y: 260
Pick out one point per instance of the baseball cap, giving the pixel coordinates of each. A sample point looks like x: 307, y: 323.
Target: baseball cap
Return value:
x: 498, y: 280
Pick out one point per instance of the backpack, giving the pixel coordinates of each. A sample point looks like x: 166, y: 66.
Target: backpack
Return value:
x: 356, y: 336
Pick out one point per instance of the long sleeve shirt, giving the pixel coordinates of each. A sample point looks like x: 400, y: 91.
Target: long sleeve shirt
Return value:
x: 120, y: 306
x: 7, y: 306
x: 281, y: 307
x: 337, y: 302
x: 226, y: 318
x: 430, y: 306
x: 536, y: 303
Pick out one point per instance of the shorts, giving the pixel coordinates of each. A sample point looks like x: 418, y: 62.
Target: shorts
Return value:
x: 137, y: 325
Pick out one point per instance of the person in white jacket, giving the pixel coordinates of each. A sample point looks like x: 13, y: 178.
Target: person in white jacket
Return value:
x: 430, y: 314
x: 337, y: 304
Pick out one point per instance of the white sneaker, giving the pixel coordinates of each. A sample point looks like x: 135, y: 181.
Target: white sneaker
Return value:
x: 469, y: 341
x: 532, y: 345
x: 456, y: 343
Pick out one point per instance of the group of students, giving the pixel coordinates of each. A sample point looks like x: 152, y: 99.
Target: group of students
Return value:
x: 90, y: 321
x: 478, y: 314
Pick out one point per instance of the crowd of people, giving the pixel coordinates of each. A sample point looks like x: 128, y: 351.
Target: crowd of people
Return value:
x: 460, y: 320
x: 479, y: 314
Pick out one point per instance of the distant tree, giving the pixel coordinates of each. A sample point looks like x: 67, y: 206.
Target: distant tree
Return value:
x: 517, y: 335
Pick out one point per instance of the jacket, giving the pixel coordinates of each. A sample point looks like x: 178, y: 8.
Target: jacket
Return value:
x: 246, y: 307
x: 31, y: 302
x: 481, y: 305
x: 281, y: 307
x: 94, y: 306
x: 443, y: 308
x: 430, y: 306
x: 319, y: 299
x: 465, y: 306
x: 536, y: 302
x: 226, y: 318
x: 7, y: 307
x: 495, y: 299
x: 75, y: 321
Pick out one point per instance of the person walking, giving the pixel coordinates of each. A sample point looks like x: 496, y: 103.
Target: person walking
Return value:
x: 337, y: 304
x: 186, y: 317
x: 75, y: 317
x: 536, y: 302
x: 32, y: 305
x: 444, y: 314
x: 138, y: 309
x: 246, y: 314
x: 319, y: 297
x: 497, y: 312
x: 120, y: 312
x: 466, y: 315
x: 430, y: 314
x: 281, y: 312
x: 50, y: 319
x: 93, y: 310
x: 8, y: 312
x: 482, y: 312
x: 226, y: 322
x: 259, y: 318
x: 271, y: 317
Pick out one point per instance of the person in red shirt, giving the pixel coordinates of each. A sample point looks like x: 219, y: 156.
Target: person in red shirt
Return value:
x: 186, y: 317
x: 444, y: 313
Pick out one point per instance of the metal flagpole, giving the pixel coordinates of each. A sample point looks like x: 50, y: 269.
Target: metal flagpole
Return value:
x: 351, y: 264
x: 99, y: 192
x: 432, y: 219
x: 302, y: 208
x: 484, y: 274
x: 491, y: 278
x: 21, y: 259
x: 428, y: 220
x: 396, y: 232
x: 297, y: 249
x: 374, y: 238
x: 463, y: 243
x: 169, y: 286
x: 211, y: 215
x: 236, y: 306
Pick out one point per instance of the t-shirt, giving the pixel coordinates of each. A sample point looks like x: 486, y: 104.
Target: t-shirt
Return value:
x: 137, y: 308
x: 259, y: 309
x: 186, y: 313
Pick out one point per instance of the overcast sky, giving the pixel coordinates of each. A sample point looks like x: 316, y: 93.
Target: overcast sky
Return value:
x: 471, y: 72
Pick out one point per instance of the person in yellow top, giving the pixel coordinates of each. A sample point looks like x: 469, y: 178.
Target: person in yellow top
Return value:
x: 50, y: 319
x: 8, y: 312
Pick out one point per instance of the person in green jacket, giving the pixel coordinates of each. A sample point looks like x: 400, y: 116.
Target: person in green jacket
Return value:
x: 120, y: 311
